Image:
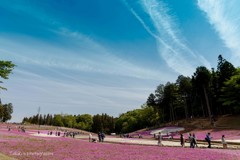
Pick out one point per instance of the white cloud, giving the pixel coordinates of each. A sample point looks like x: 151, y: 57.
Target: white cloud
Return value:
x: 223, y: 15
x: 27, y: 91
x: 80, y: 77
x: 84, y: 55
x: 55, y: 77
x: 171, y: 44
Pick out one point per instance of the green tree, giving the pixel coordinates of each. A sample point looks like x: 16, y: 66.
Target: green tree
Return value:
x: 231, y: 93
x: 25, y: 120
x: 41, y: 120
x: 224, y: 71
x: 170, y: 99
x: 84, y: 121
x: 137, y: 119
x: 5, y: 112
x: 57, y: 120
x: 202, y: 78
x: 160, y: 106
x: 6, y: 68
x: 97, y: 123
x: 49, y: 119
x: 148, y: 116
x: 68, y: 121
x: 151, y: 100
x: 214, y: 94
x: 127, y: 122
x: 185, y: 89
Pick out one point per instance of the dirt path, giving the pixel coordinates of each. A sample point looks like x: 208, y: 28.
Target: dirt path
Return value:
x: 169, y: 143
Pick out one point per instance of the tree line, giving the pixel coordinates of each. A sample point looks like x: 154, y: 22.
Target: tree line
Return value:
x: 208, y: 93
x: 86, y: 122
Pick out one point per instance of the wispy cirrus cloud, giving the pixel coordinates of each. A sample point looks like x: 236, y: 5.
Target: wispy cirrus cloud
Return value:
x: 61, y: 68
x: 159, y: 22
x: 85, y: 55
x: 223, y: 15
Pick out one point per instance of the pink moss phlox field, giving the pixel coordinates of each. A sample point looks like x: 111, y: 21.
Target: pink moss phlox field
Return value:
x: 24, y: 146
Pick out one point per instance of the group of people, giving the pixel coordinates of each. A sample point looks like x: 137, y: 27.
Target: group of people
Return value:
x: 57, y: 133
x: 21, y: 129
x: 208, y: 139
x: 101, y: 137
x: 193, y: 140
x: 71, y: 134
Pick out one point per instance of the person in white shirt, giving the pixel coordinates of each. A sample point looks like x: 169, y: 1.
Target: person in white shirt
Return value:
x: 90, y: 137
x: 224, y: 142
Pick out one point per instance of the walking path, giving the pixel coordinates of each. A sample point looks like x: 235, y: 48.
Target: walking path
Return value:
x: 166, y: 142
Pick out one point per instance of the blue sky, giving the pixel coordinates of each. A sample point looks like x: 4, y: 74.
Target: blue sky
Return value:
x: 97, y: 56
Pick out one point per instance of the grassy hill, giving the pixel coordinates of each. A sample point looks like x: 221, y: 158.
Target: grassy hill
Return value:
x: 226, y: 122
x: 221, y: 122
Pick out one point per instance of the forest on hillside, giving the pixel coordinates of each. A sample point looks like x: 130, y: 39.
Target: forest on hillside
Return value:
x: 208, y: 93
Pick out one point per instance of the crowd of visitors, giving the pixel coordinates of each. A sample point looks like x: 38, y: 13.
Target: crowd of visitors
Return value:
x: 192, y: 139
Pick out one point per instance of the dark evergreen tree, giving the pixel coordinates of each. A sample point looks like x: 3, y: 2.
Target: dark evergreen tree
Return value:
x: 224, y: 71
x: 185, y: 90
x: 230, y: 96
x: 201, y: 79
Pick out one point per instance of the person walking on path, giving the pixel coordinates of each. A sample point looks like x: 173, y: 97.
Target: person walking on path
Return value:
x: 224, y: 142
x: 182, y: 140
x: 99, y: 137
x: 208, y: 139
x: 102, y: 136
x: 194, y: 141
x: 190, y: 138
x: 160, y: 139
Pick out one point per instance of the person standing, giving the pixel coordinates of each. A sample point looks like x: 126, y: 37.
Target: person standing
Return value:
x: 194, y: 141
x: 190, y: 138
x: 182, y: 140
x: 90, y: 137
x: 208, y: 139
x: 224, y: 142
x: 160, y: 139
x: 102, y: 136
x: 99, y: 137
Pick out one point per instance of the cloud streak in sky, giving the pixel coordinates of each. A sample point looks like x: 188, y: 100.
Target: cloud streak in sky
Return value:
x: 84, y: 53
x: 58, y: 76
x: 94, y: 58
x: 223, y: 15
x: 163, y: 27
